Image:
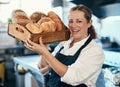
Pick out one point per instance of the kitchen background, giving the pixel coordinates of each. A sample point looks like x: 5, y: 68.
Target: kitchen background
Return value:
x: 106, y: 19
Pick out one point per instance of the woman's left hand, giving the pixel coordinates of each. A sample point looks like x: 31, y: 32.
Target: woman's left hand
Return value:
x: 39, y: 48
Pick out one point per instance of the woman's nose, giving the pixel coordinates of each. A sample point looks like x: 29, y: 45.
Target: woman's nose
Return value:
x: 74, y: 24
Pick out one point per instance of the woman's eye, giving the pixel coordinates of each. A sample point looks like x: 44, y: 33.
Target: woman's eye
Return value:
x: 70, y: 21
x: 79, y: 21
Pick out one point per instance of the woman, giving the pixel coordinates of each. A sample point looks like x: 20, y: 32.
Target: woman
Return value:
x: 76, y: 62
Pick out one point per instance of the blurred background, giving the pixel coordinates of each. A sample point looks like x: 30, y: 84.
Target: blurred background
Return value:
x: 106, y: 20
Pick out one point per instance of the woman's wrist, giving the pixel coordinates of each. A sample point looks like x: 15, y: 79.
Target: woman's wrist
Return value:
x: 48, y: 47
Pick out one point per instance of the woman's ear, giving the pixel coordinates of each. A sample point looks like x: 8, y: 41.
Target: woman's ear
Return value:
x: 89, y: 23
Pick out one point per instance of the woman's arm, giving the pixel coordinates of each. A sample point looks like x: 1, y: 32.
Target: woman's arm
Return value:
x: 58, y: 67
x: 43, y: 66
x: 42, y: 63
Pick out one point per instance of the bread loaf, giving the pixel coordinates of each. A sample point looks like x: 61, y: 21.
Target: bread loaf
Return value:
x: 48, y: 26
x: 36, y: 16
x: 44, y: 19
x: 34, y: 28
x: 57, y: 20
x: 52, y: 26
x: 20, y: 17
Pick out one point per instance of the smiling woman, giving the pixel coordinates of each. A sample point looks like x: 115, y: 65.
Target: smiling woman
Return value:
x: 76, y: 62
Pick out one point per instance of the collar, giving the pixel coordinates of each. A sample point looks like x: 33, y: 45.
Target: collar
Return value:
x: 79, y: 43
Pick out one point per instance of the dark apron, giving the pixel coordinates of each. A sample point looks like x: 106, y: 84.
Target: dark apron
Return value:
x: 54, y: 80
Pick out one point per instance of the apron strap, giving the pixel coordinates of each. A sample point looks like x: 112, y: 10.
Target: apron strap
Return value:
x: 60, y: 49
x: 83, y: 46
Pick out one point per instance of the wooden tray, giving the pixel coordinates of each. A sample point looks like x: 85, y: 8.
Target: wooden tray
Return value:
x: 49, y: 37
x: 13, y: 30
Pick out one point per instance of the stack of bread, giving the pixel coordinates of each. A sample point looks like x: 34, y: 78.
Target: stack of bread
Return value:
x: 37, y: 25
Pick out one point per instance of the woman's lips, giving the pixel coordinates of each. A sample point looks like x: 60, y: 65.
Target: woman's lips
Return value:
x: 75, y: 30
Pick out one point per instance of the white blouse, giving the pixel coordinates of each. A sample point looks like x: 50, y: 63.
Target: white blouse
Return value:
x: 88, y: 65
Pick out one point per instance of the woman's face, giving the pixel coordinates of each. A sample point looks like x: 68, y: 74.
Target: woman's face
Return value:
x: 78, y: 25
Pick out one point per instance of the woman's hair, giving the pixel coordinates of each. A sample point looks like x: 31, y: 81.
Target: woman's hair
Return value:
x: 88, y: 16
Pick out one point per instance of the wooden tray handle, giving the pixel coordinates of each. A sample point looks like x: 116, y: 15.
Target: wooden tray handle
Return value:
x: 19, y: 29
x: 18, y: 32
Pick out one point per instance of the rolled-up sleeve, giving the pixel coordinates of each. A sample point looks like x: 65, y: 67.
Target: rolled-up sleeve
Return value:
x: 87, y: 66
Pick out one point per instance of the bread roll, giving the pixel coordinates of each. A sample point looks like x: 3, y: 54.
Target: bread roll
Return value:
x: 34, y: 28
x: 45, y: 27
x: 44, y: 19
x: 48, y: 26
x: 36, y: 16
x: 57, y: 20
x: 52, y: 26
x: 20, y: 17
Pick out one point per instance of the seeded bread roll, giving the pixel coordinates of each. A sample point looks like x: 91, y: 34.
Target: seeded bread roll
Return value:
x: 36, y: 16
x: 20, y: 17
x: 34, y: 28
x: 57, y: 20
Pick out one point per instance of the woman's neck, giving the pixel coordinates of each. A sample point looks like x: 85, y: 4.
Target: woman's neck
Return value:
x: 76, y: 40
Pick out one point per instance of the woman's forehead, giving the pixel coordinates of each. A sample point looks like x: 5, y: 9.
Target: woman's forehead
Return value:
x: 76, y: 15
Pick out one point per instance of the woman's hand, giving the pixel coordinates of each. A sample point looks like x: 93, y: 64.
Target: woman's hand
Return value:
x: 56, y: 65
x: 39, y: 48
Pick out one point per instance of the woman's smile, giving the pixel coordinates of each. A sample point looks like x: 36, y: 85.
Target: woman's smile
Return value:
x: 78, y: 25
x: 75, y: 31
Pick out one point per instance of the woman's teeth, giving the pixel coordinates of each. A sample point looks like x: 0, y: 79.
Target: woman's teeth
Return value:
x: 75, y: 30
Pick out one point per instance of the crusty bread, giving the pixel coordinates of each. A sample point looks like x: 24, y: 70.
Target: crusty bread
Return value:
x: 36, y: 16
x: 38, y: 21
x: 45, y: 27
x: 20, y: 17
x: 48, y: 26
x: 44, y: 19
x: 52, y: 26
x: 19, y: 13
x: 57, y: 20
x: 34, y: 28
